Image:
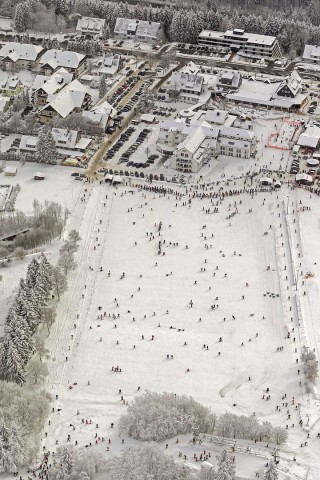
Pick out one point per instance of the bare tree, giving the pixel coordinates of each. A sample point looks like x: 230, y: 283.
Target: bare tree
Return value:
x: 74, y: 236
x: 19, y: 252
x: 59, y: 281
x: 36, y: 370
x: 67, y: 262
x: 48, y: 315
x: 41, y: 350
x: 4, y: 252
x: 69, y: 247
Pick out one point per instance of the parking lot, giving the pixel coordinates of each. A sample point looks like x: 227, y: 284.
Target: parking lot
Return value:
x: 220, y: 53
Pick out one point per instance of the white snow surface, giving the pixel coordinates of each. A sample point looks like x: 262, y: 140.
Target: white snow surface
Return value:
x: 242, y: 253
x: 241, y: 250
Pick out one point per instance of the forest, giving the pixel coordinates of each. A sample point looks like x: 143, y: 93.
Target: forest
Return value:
x: 297, y: 21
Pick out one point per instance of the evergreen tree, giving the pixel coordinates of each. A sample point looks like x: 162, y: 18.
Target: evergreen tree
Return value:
x: 12, y: 365
x: 226, y: 467
x: 16, y: 447
x: 106, y: 31
x: 271, y: 472
x: 32, y: 273
x: 41, y: 145
x: 61, y: 7
x: 102, y: 86
x: 21, y: 17
x: 51, y: 147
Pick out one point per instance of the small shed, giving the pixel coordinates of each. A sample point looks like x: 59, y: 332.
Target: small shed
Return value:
x: 304, y: 179
x: 266, y: 181
x: 295, y: 149
x: 39, y: 176
x: 10, y: 171
x: 147, y: 118
x: 116, y: 179
x: 313, y: 162
x: 108, y: 177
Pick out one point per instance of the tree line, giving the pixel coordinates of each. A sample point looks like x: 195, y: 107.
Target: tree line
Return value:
x: 23, y: 408
x: 297, y: 21
x: 156, y: 417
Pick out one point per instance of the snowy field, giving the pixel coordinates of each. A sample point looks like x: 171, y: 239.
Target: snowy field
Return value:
x: 153, y: 300
x: 58, y: 185
x: 284, y: 136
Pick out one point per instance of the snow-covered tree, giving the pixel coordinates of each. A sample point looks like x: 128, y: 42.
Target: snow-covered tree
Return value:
x: 51, y: 147
x: 146, y: 462
x: 226, y: 467
x: 271, y: 472
x: 74, y: 236
x: 75, y: 464
x: 106, y: 32
x: 11, y: 363
x: 21, y: 17
x: 102, y: 86
x: 310, y: 365
x: 41, y: 145
x: 16, y: 447
x: 59, y: 281
x: 154, y: 416
x: 46, y: 146
x: 67, y: 262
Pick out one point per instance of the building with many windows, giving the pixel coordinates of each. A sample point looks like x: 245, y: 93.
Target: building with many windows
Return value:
x: 193, y: 144
x: 249, y: 44
x: 90, y: 25
x: 138, y: 30
x: 19, y: 56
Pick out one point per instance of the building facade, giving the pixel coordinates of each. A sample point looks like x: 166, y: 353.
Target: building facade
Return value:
x: 250, y: 44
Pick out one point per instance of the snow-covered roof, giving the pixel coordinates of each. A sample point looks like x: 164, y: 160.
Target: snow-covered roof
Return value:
x: 186, y: 81
x: 304, y: 178
x: 71, y: 97
x: 311, y: 52
x: 293, y: 82
x: 83, y: 143
x: 54, y: 83
x: 216, y: 116
x: 100, y: 114
x: 237, y: 35
x: 110, y: 63
x: 141, y: 28
x: 61, y: 58
x: 20, y: 51
x: 90, y: 25
x: 310, y: 138
x: 260, y: 93
x: 9, y: 83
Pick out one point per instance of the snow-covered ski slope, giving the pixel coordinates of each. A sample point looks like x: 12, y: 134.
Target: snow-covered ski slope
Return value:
x: 205, y: 258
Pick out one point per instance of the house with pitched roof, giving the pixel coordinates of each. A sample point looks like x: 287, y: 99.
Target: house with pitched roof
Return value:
x: 45, y: 87
x: 187, y: 86
x: 138, y: 30
x: 73, y: 98
x: 110, y: 64
x: 68, y: 142
x: 291, y: 86
x: 19, y: 56
x: 10, y: 86
x: 90, y: 25
x: 53, y: 60
x: 193, y: 144
x: 100, y: 114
